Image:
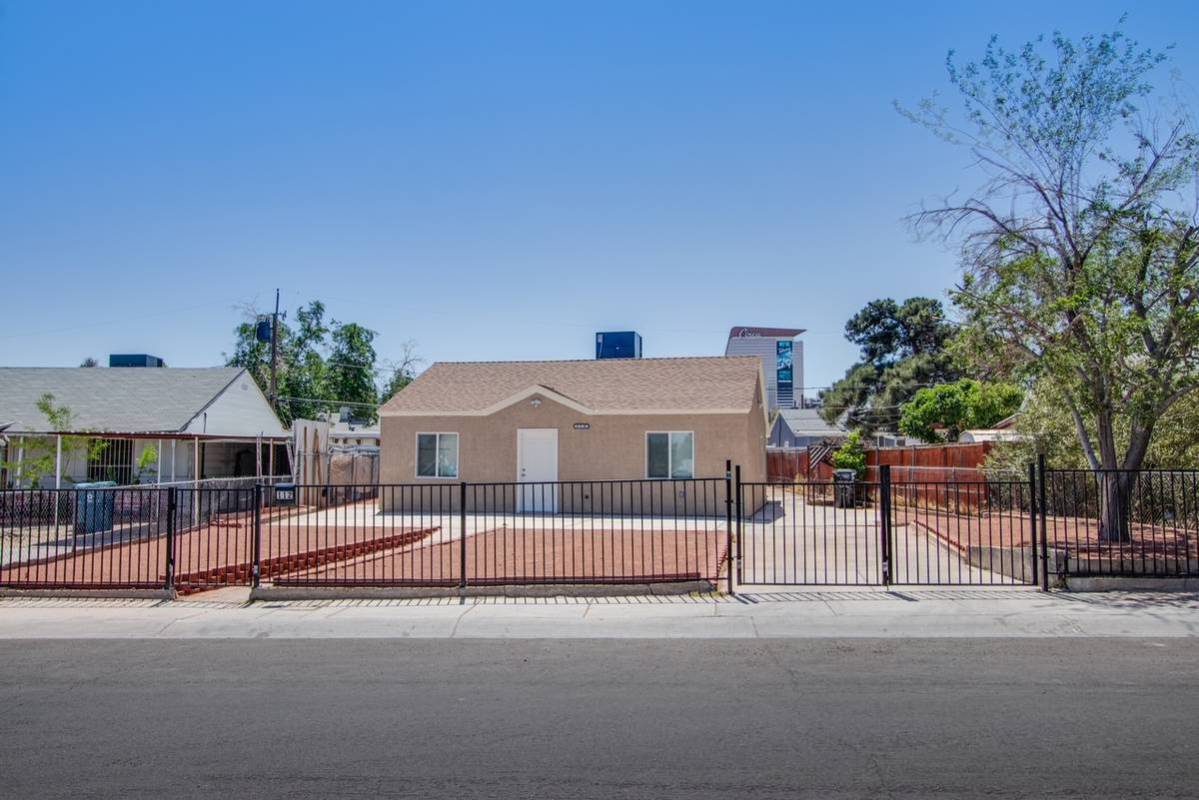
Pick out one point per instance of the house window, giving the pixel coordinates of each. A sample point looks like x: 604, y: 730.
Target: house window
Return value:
x: 437, y: 455
x: 670, y: 454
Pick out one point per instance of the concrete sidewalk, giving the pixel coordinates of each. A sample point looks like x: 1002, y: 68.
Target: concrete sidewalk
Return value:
x: 808, y: 614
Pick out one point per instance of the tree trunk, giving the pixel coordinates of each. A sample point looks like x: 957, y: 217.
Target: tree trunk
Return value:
x: 1115, y: 484
x: 1115, y: 506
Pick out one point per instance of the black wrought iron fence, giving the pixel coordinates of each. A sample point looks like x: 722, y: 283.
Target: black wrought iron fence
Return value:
x: 473, y: 534
x: 1054, y: 526
x: 1122, y: 523
x: 83, y: 538
x: 964, y: 533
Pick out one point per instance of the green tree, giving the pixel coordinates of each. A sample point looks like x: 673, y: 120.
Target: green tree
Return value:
x: 851, y: 455
x: 904, y: 346
x: 350, y: 371
x: 321, y: 365
x: 958, y: 406
x: 148, y: 459
x: 888, y: 332
x: 89, y: 362
x: 301, y: 361
x: 1046, y: 428
x: 1081, y: 243
x: 302, y: 385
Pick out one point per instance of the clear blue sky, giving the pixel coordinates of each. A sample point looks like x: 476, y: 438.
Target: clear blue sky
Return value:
x: 493, y: 180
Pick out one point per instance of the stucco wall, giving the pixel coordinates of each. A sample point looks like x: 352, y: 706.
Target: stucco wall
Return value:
x: 612, y: 448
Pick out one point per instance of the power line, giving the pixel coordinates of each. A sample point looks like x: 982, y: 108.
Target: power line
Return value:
x: 332, y: 402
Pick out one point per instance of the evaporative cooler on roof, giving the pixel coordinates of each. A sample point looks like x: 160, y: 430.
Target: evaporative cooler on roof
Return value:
x: 618, y: 344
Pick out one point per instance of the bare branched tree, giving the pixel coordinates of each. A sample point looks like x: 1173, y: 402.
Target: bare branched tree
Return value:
x: 403, y: 369
x: 1080, y: 246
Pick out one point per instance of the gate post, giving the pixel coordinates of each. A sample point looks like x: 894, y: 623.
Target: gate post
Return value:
x: 1044, y: 506
x: 256, y: 571
x: 462, y: 533
x: 737, y: 512
x: 884, y: 473
x: 1032, y: 520
x: 171, y: 508
x: 728, y: 519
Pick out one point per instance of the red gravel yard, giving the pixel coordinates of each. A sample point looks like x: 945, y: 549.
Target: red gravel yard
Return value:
x: 521, y: 555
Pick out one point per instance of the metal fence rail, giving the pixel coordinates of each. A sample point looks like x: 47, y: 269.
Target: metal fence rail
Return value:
x: 338, y: 536
x: 83, y: 538
x: 472, y: 534
x: 964, y: 533
x: 1054, y: 526
x: 1120, y: 523
x: 817, y: 534
x: 871, y: 533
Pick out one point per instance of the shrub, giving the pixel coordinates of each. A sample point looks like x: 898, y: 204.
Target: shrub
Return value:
x: 851, y: 455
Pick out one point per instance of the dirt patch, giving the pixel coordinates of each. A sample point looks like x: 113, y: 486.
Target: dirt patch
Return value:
x: 218, y: 554
x: 1076, y: 535
x: 517, y: 555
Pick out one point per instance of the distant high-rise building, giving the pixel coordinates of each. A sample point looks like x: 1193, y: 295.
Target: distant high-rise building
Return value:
x: 782, y: 361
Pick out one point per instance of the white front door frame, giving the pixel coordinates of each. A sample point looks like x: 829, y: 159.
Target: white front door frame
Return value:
x: 537, y: 498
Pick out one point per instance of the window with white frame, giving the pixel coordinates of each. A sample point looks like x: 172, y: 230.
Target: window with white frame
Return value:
x: 670, y: 454
x: 437, y: 455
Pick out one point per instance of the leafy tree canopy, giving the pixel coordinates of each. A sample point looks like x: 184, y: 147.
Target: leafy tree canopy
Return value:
x: 1045, y: 427
x: 944, y: 411
x: 889, y: 332
x: 322, y: 365
x: 851, y: 455
x: 903, y: 348
x: 350, y: 369
x: 1080, y: 245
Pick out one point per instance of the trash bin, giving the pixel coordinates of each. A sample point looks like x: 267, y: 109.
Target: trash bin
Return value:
x: 93, y: 506
x: 845, y: 487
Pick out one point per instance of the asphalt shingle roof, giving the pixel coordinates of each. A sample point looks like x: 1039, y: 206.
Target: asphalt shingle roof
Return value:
x: 689, y: 385
x: 110, y: 400
x: 808, y: 422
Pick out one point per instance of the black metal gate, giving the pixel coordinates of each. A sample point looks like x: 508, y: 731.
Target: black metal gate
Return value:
x: 882, y: 532
x: 804, y: 534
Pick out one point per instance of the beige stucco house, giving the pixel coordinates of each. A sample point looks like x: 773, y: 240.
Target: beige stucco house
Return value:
x: 550, y: 431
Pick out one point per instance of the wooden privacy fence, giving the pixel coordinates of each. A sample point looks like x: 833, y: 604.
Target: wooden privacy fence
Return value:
x: 925, y: 463
x: 786, y: 465
x: 930, y: 463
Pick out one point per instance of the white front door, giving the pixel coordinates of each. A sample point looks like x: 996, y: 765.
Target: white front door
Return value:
x: 537, y: 465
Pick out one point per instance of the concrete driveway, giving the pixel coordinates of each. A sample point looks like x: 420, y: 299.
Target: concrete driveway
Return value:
x: 792, y: 542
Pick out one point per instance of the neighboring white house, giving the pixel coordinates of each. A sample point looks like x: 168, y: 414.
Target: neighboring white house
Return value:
x: 1002, y: 431
x: 782, y: 361
x: 157, y: 424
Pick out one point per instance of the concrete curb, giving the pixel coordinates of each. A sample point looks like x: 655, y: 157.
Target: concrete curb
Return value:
x: 108, y: 594
x: 535, y: 590
x: 1116, y: 584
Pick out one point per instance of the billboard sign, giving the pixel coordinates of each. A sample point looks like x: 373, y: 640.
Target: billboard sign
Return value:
x: 784, y: 368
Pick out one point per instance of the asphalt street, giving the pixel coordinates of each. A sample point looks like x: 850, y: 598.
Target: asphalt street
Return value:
x: 596, y: 718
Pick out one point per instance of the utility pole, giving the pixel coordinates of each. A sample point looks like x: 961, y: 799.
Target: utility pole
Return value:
x: 275, y: 355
